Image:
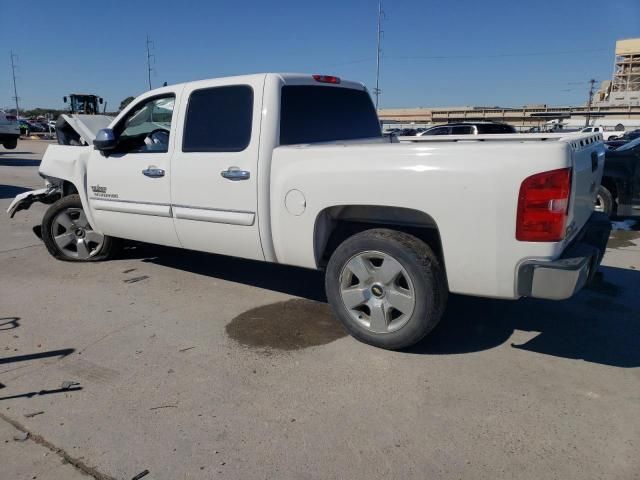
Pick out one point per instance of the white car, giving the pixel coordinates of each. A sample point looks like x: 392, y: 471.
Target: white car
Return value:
x: 9, y: 131
x: 293, y: 169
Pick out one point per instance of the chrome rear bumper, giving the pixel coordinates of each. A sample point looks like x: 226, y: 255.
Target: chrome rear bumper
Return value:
x: 562, y: 278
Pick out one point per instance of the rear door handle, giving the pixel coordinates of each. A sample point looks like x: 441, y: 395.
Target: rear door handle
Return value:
x: 234, y: 173
x: 153, y: 172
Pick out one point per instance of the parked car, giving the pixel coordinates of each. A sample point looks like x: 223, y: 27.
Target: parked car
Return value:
x: 628, y: 136
x: 469, y: 128
x: 619, y: 192
x: 9, y: 131
x: 36, y: 127
x: 613, y: 144
x: 314, y: 184
x: 24, y: 127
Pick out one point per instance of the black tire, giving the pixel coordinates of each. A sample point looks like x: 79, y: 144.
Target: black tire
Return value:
x: 605, y: 201
x: 10, y: 144
x: 72, y: 203
x: 426, y: 275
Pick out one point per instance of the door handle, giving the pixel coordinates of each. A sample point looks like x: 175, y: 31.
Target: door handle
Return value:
x: 234, y: 173
x: 153, y: 172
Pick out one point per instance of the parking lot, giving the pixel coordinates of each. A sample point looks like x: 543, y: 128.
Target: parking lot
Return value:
x: 201, y: 366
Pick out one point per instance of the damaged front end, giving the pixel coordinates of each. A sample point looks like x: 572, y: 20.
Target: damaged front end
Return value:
x: 48, y: 195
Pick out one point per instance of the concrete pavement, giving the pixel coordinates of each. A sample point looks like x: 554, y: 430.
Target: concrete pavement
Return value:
x: 201, y: 366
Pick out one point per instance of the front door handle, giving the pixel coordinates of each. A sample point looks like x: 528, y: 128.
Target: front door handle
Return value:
x: 234, y: 173
x: 153, y: 172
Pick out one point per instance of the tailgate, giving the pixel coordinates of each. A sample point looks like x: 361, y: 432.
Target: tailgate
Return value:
x: 587, y: 153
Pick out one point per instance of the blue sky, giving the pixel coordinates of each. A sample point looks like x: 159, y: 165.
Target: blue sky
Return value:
x: 506, y: 53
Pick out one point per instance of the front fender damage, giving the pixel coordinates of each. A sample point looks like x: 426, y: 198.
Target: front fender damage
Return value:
x: 23, y: 201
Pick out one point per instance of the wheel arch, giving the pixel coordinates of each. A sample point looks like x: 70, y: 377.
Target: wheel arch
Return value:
x: 610, y: 184
x: 335, y: 224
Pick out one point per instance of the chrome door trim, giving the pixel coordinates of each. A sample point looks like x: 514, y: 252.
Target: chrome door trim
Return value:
x: 214, y: 215
x: 131, y: 206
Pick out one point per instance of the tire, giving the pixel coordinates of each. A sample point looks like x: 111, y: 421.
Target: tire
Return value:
x: 68, y: 236
x: 10, y: 144
x: 605, y: 202
x: 385, y: 309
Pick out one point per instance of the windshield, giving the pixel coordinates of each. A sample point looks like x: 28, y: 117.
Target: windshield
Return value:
x: 629, y: 146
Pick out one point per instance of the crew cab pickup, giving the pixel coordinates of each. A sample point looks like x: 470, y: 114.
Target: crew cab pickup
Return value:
x: 293, y: 169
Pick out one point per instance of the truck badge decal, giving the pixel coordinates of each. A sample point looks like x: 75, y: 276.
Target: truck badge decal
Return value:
x: 101, y: 192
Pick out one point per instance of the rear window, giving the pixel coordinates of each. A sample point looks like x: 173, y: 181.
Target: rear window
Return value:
x: 495, y: 128
x: 312, y: 114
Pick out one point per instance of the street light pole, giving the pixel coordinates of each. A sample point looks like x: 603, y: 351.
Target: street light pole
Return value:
x: 149, y: 56
x: 591, y: 84
x: 15, y: 89
x: 376, y: 91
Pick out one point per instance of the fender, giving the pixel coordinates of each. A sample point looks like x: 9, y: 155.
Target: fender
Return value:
x: 60, y: 163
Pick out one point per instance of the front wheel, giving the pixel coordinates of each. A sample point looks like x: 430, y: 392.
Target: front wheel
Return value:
x: 387, y: 287
x: 68, y: 236
x: 10, y: 144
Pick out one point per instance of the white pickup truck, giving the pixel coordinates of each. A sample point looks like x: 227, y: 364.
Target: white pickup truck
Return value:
x: 293, y: 169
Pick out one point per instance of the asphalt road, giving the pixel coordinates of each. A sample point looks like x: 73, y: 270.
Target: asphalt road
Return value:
x: 198, y: 366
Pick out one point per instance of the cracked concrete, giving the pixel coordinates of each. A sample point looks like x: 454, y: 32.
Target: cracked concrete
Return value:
x: 35, y: 458
x: 501, y: 390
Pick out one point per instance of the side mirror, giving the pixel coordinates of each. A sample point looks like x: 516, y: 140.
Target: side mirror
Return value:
x: 64, y: 99
x: 105, y: 140
x: 100, y: 100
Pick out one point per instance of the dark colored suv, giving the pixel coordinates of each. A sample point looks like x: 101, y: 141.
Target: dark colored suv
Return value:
x: 469, y: 128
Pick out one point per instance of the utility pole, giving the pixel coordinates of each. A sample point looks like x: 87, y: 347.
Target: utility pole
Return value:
x: 592, y: 82
x: 377, y: 91
x: 15, y: 89
x: 149, y: 57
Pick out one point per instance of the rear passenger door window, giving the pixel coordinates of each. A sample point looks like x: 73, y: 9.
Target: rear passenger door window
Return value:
x: 218, y: 119
x: 462, y: 130
x: 439, y: 131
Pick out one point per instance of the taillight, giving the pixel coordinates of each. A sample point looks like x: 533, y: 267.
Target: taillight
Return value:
x: 543, y: 205
x: 326, y: 79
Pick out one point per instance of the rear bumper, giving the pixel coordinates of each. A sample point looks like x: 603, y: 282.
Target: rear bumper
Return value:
x: 4, y: 136
x: 561, y: 278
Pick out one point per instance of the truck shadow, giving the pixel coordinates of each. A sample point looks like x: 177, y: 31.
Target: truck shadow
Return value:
x: 600, y: 324
x: 18, y: 162
x: 299, y: 282
x: 10, y: 191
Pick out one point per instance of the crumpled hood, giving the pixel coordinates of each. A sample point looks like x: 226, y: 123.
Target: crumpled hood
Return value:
x: 86, y: 126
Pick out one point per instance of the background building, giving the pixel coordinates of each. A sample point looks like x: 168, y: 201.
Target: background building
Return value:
x: 616, y: 105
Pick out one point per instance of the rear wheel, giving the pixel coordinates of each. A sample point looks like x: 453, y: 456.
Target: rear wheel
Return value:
x: 387, y: 288
x: 68, y: 236
x: 604, y: 201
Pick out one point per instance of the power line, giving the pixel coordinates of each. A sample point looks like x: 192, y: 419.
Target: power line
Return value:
x: 454, y: 56
x: 15, y: 88
x: 498, y: 55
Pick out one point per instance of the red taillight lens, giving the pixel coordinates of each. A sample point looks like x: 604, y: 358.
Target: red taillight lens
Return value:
x: 326, y: 79
x: 543, y: 204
